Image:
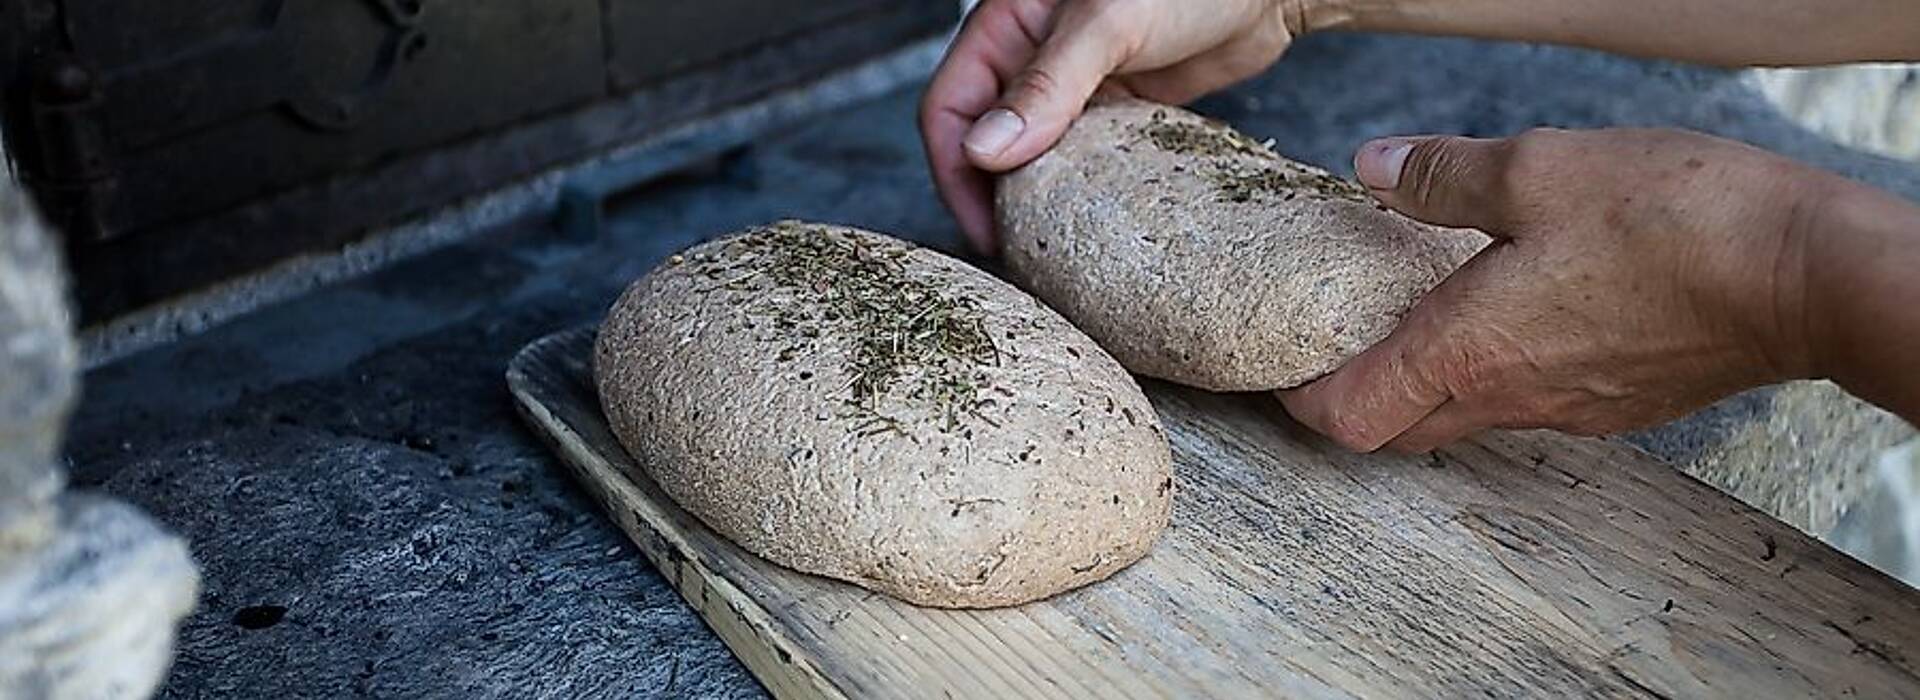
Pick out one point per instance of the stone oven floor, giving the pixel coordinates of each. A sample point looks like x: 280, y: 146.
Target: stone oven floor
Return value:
x: 372, y: 519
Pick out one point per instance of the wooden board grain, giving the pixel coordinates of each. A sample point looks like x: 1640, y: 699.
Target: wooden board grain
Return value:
x: 1516, y: 564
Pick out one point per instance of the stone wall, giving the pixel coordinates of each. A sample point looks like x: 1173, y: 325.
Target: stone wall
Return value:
x: 1884, y: 528
x: 1872, y: 107
x: 1804, y: 452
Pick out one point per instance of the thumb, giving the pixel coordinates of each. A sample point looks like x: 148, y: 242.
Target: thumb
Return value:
x: 1442, y: 180
x: 1045, y: 98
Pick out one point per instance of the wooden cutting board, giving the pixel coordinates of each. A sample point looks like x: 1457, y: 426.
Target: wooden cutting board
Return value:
x: 1516, y: 564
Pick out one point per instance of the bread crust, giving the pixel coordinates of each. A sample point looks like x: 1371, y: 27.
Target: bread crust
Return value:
x: 1196, y: 255
x: 1051, y: 472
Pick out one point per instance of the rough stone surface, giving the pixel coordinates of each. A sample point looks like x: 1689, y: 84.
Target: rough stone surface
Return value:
x: 91, y: 612
x: 1870, y: 107
x: 1197, y: 255
x: 37, y: 362
x: 1806, y: 458
x: 306, y: 448
x: 997, y: 456
x: 90, y: 590
x: 1883, y: 527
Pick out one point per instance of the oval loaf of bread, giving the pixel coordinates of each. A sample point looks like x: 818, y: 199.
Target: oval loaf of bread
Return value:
x: 849, y: 405
x: 1197, y: 255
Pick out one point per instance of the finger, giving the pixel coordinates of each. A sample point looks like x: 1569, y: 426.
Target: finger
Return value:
x: 965, y: 190
x: 1047, y: 95
x: 1377, y: 395
x: 993, y: 42
x: 1450, y: 423
x: 1443, y: 180
x: 944, y: 117
x: 968, y: 195
x: 1387, y: 389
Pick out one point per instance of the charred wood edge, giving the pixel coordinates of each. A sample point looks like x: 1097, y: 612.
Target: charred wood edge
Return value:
x: 684, y: 144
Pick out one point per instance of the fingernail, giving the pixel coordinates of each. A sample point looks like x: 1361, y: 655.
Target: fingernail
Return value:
x: 994, y: 132
x: 1380, y: 162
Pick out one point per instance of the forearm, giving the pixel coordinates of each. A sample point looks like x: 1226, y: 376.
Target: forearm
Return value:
x: 1720, y: 32
x: 1863, y: 295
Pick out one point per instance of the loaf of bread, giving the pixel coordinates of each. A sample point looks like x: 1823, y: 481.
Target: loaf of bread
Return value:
x: 1197, y: 255
x: 848, y: 405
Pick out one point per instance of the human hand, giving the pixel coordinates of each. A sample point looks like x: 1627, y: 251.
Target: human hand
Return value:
x: 1020, y: 71
x: 1636, y: 275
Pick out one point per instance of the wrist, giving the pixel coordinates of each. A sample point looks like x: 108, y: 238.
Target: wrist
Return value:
x: 1433, y: 17
x: 1790, y: 312
x: 1754, y: 274
x: 1821, y: 232
x: 1309, y: 16
x: 1862, y: 246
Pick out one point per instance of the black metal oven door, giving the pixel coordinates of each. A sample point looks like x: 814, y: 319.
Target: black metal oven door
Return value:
x: 204, y: 104
x: 181, y: 142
